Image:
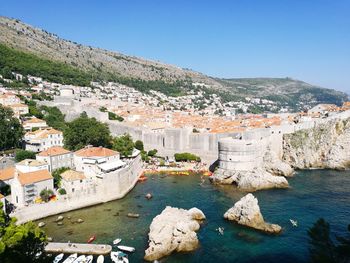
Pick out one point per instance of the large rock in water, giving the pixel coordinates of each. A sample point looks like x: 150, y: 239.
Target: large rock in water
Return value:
x: 247, y: 212
x: 173, y: 230
x: 256, y: 179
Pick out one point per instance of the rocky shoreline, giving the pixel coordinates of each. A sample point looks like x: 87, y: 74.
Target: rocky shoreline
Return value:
x: 324, y: 146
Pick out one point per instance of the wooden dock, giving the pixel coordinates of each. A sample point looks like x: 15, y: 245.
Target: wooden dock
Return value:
x: 80, y: 248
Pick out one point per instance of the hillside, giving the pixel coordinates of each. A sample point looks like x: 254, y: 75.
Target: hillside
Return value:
x: 284, y: 90
x: 68, y: 59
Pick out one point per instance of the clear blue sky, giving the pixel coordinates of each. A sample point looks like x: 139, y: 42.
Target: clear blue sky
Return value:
x: 303, y: 39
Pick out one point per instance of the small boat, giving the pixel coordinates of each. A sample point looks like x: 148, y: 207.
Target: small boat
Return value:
x: 89, y: 259
x: 119, y: 257
x: 80, y: 259
x: 116, y: 241
x: 92, y: 238
x: 58, y: 258
x: 142, y: 178
x: 133, y: 215
x: 100, y: 259
x: 126, y: 248
x: 294, y: 222
x: 71, y: 258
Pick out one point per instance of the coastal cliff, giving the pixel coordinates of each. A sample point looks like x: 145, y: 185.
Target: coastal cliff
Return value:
x: 327, y: 145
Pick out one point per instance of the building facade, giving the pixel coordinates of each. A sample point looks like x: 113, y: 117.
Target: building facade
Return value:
x: 43, y: 139
x: 56, y: 157
x: 26, y: 187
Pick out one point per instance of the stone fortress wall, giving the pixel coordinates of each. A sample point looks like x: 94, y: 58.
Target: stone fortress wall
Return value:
x: 246, y: 152
x: 114, y: 185
x: 173, y: 140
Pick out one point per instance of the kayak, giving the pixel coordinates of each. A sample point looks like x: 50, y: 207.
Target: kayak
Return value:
x: 92, y: 238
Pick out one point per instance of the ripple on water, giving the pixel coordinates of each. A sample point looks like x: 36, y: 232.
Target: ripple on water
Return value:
x: 313, y: 194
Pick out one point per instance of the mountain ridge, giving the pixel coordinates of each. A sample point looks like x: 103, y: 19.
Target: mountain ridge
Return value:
x: 132, y: 70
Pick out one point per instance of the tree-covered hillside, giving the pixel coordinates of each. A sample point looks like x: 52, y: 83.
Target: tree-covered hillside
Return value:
x: 12, y: 60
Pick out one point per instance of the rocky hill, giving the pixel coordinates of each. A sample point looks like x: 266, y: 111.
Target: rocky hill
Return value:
x: 100, y: 64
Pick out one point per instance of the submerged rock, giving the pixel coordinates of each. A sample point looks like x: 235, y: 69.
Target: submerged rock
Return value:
x: 59, y: 218
x: 80, y: 220
x: 173, y: 230
x: 148, y: 196
x: 247, y: 212
x: 41, y: 224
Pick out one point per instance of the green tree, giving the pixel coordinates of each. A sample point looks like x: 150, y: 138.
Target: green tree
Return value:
x: 11, y: 131
x: 45, y: 194
x: 184, y: 157
x: 56, y: 174
x: 124, y: 145
x: 23, y: 154
x: 53, y: 117
x: 323, y: 249
x: 86, y: 131
x: 62, y: 191
x: 114, y: 117
x: 152, y: 152
x: 103, y: 109
x: 21, y: 243
x: 139, y: 145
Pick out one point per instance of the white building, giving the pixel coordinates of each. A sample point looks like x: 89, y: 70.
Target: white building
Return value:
x: 76, y: 184
x: 19, y: 109
x: 31, y: 165
x: 26, y: 187
x: 41, y: 140
x: 96, y: 161
x: 56, y: 157
x: 6, y: 176
x: 34, y: 123
x: 8, y: 99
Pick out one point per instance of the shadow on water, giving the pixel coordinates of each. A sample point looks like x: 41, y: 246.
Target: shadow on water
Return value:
x: 313, y: 194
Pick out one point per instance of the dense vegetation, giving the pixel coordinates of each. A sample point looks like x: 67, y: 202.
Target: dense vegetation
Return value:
x: 52, y: 115
x: 11, y: 131
x: 86, y: 131
x: 56, y: 174
x: 139, y: 145
x: 114, y: 117
x: 20, y: 243
x: 12, y: 60
x: 23, y: 154
x: 323, y: 249
x: 184, y: 157
x: 124, y: 145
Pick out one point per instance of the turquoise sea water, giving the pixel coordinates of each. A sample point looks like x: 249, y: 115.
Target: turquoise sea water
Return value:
x: 313, y: 194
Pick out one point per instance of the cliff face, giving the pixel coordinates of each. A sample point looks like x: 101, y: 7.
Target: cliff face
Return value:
x: 325, y: 146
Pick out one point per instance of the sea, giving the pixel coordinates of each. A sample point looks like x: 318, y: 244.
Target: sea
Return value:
x: 313, y: 194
